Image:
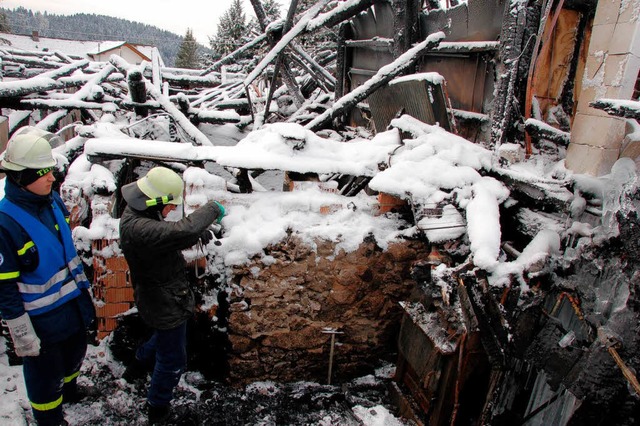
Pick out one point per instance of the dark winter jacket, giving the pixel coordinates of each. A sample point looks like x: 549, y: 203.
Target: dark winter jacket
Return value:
x: 153, y: 249
x: 19, y: 255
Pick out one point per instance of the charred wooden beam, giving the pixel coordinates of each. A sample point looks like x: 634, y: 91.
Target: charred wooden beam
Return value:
x: 405, y: 25
x: 58, y: 104
x: 376, y: 43
x: 31, y: 61
x: 381, y: 78
x: 618, y: 107
x: 233, y: 55
x: 481, y: 308
x: 197, y: 137
x: 540, y: 130
x: 341, y: 60
x: 287, y: 77
x: 512, y: 44
x: 137, y: 91
x: 320, y: 70
x: 345, y: 11
x: 191, y: 80
x: 41, y: 83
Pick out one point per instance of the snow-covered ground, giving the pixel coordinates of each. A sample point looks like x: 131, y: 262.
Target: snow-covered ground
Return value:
x: 113, y: 401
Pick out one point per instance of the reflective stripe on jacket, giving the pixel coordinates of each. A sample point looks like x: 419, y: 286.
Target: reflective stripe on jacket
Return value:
x: 59, y: 275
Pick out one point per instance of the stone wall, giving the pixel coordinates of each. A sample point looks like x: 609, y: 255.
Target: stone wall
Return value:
x: 281, y: 309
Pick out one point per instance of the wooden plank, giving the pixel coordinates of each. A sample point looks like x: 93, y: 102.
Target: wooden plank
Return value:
x: 553, y: 66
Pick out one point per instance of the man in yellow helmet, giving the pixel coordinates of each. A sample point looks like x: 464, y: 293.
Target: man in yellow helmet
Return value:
x: 153, y: 249
x: 44, y: 293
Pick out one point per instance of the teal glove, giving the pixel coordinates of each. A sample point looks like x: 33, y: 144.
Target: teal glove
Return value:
x: 222, y: 212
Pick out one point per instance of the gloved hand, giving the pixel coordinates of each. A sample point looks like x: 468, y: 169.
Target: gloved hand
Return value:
x: 25, y: 340
x: 222, y: 212
x: 206, y: 236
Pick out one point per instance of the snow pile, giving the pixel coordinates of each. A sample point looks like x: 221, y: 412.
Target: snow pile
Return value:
x: 439, y: 168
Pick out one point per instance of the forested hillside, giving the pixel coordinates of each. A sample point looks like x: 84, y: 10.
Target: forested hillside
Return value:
x: 82, y: 26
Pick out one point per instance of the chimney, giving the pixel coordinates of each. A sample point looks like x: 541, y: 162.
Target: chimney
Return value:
x: 35, y: 36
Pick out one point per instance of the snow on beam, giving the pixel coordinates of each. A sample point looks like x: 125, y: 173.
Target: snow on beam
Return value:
x: 184, y: 80
x: 541, y: 130
x: 231, y: 56
x: 41, y: 83
x: 31, y: 61
x: 297, y: 29
x: 618, y: 107
x: 382, y: 77
x: 155, y: 149
x: 341, y: 13
x: 314, y: 64
x: 62, y: 104
x: 196, y: 135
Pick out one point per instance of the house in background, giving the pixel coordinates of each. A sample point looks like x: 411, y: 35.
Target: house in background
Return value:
x: 98, y: 51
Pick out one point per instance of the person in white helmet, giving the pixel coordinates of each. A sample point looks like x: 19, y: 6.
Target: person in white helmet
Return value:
x: 44, y: 293
x: 153, y: 250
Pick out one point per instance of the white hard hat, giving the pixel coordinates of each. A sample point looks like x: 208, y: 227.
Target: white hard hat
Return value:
x: 160, y: 186
x: 29, y: 148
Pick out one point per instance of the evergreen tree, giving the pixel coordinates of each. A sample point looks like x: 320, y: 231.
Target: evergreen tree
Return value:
x: 271, y: 9
x: 4, y: 23
x: 232, y: 30
x: 188, y: 53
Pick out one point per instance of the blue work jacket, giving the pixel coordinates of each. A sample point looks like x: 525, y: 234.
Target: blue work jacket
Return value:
x: 40, y: 271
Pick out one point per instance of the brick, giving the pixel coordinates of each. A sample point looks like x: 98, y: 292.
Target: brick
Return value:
x: 111, y: 310
x: 114, y: 280
x: 107, y: 324
x: 118, y: 295
x: 331, y: 208
x: 116, y: 264
x: 387, y: 203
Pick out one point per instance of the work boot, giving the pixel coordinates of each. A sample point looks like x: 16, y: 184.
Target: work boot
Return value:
x: 135, y: 371
x: 157, y: 415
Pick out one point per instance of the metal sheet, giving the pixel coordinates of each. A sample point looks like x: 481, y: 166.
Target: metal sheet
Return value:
x: 418, y: 98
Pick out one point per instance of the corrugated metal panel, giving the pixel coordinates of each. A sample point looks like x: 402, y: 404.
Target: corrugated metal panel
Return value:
x: 418, y: 98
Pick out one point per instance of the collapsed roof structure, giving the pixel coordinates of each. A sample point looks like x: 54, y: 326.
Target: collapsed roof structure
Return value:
x: 488, y: 146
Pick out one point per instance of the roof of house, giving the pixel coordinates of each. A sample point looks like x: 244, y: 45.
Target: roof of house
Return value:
x: 78, y: 48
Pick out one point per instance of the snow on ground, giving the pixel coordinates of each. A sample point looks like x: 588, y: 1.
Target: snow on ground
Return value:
x: 433, y: 168
x: 112, y: 401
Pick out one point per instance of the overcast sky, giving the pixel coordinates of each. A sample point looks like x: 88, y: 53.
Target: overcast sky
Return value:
x: 201, y: 16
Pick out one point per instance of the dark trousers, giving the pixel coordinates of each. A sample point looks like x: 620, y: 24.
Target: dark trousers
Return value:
x: 169, y: 349
x: 52, y: 375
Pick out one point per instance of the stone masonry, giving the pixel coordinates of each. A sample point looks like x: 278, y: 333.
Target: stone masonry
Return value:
x: 280, y: 311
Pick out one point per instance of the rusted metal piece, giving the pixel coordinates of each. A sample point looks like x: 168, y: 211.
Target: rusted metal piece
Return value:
x: 612, y: 343
x: 575, y: 303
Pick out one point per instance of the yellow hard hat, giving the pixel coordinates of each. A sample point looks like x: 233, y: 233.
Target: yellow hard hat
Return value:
x: 29, y: 148
x: 160, y: 186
